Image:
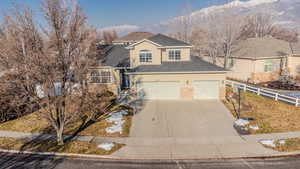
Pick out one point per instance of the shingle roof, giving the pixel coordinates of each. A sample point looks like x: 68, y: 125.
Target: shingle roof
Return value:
x: 164, y: 40
x: 134, y: 36
x: 117, y: 56
x: 195, y: 65
x: 261, y: 47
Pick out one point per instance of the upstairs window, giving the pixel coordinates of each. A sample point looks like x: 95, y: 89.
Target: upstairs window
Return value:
x: 101, y: 76
x: 268, y: 67
x: 174, y: 54
x: 145, y: 56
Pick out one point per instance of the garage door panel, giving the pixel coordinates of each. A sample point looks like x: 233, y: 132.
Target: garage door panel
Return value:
x: 146, y: 90
x: 206, y: 89
x: 159, y: 90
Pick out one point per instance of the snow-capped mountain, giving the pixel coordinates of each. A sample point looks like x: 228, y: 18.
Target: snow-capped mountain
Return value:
x: 284, y: 12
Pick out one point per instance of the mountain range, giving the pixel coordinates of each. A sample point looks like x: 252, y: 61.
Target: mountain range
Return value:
x: 285, y: 13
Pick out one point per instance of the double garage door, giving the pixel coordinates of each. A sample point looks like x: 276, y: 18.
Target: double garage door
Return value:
x: 171, y: 90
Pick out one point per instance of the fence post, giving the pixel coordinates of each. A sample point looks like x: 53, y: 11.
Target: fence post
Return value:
x: 258, y: 91
x: 245, y: 87
x: 276, y: 97
x: 297, y: 102
x: 232, y: 84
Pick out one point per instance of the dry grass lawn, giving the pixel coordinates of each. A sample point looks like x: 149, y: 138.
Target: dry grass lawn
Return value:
x: 77, y: 147
x: 33, y: 123
x: 271, y: 116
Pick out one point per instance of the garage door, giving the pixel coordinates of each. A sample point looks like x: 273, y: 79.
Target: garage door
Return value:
x: 206, y: 89
x: 159, y: 90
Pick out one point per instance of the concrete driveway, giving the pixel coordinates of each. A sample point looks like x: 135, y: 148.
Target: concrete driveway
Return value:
x: 186, y: 130
x: 183, y: 119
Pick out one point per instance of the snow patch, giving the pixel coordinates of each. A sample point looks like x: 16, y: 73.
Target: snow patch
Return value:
x: 40, y: 91
x: 236, y: 3
x: 295, y: 94
x: 255, y: 127
x: 106, y: 146
x: 269, y: 143
x: 117, y: 119
x: 281, y: 142
x: 241, y: 122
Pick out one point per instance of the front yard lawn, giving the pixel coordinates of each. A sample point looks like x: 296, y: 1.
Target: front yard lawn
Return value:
x: 269, y: 115
x: 77, y: 147
x: 32, y: 123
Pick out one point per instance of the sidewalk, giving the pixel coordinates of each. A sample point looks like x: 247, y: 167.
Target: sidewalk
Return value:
x: 180, y: 148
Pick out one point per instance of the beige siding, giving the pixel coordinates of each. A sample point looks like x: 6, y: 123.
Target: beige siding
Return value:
x: 158, y: 54
x: 185, y: 54
x: 250, y: 70
x: 242, y: 69
x: 134, y: 53
x: 294, y: 66
x: 260, y: 65
x: 186, y: 81
x: 259, y: 75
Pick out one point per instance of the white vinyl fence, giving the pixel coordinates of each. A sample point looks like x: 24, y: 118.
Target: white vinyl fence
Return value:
x: 263, y: 92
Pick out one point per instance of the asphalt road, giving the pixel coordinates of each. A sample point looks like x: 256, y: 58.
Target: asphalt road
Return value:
x: 12, y: 161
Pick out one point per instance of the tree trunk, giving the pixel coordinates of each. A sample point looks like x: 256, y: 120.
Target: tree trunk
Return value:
x: 59, y: 136
x: 225, y: 61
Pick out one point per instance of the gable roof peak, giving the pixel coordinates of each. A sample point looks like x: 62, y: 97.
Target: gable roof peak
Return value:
x: 165, y: 40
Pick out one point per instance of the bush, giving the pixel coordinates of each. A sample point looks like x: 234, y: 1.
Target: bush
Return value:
x: 13, y: 102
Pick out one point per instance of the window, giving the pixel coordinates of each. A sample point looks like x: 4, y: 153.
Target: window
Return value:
x: 101, y: 76
x: 145, y: 56
x: 174, y: 54
x: 268, y: 66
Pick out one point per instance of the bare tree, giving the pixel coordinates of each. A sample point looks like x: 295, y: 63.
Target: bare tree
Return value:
x: 109, y: 36
x: 285, y: 34
x: 199, y: 41
x: 50, y: 65
x: 223, y: 32
x: 258, y: 25
x: 182, y: 27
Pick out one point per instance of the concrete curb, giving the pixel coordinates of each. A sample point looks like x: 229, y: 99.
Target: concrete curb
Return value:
x: 70, y: 155
x: 110, y: 157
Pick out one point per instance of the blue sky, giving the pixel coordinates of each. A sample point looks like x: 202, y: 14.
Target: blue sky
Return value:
x: 102, y: 13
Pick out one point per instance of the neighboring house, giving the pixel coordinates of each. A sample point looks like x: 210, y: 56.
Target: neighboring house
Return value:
x: 160, y: 67
x: 294, y: 61
x: 132, y: 37
x: 260, y: 60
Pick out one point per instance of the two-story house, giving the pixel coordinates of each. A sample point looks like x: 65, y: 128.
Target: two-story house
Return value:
x: 160, y: 67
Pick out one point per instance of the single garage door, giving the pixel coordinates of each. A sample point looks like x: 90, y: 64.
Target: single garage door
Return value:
x: 159, y: 90
x: 206, y: 89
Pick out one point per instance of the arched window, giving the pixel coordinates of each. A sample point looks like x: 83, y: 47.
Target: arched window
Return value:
x: 145, y: 56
